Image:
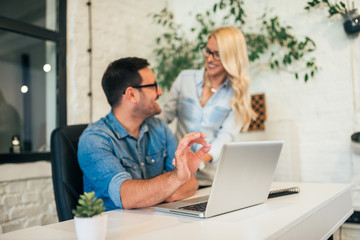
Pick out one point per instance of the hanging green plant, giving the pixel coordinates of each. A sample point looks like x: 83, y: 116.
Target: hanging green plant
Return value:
x: 350, y: 15
x: 176, y: 52
x: 333, y: 8
x: 289, y: 48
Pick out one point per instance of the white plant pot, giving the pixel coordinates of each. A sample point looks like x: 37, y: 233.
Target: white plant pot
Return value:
x: 93, y: 228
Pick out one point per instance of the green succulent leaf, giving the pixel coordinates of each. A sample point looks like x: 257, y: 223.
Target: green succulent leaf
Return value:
x: 89, y: 205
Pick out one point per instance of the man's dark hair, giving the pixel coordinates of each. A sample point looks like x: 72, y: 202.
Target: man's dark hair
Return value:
x: 120, y: 75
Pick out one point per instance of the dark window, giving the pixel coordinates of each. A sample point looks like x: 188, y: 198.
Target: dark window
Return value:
x: 41, y: 13
x: 32, y: 77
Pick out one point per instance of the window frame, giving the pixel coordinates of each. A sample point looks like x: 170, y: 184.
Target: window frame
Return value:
x: 59, y: 37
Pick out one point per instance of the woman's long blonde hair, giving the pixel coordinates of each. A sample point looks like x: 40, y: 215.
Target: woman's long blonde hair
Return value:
x: 234, y: 58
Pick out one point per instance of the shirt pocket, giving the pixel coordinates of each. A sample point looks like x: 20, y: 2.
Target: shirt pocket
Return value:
x: 187, y: 109
x: 156, y: 162
x: 131, y: 167
x: 218, y: 116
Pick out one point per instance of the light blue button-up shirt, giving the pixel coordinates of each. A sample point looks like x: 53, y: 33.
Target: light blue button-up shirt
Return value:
x: 108, y: 155
x: 216, y: 118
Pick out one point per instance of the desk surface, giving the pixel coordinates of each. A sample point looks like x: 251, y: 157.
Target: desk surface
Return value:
x: 315, y: 213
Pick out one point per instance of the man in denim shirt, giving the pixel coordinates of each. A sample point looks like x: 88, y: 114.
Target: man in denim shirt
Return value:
x: 127, y: 156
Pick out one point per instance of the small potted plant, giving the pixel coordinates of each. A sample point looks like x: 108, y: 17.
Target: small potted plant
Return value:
x: 90, y: 221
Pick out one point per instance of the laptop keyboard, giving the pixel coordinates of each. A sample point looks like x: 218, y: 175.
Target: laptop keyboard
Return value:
x: 199, y: 207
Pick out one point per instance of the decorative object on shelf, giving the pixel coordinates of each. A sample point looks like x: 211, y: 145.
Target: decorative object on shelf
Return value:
x: 258, y: 105
x: 355, y: 142
x: 90, y: 221
x: 15, y: 145
x: 350, y: 16
x: 176, y: 51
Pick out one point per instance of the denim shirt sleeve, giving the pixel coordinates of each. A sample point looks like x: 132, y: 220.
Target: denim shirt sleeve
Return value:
x: 100, y: 166
x: 171, y: 145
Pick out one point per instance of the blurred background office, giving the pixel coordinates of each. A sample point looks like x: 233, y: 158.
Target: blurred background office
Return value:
x: 54, y: 52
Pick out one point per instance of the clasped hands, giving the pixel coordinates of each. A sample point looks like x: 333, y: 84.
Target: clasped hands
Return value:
x: 187, y: 162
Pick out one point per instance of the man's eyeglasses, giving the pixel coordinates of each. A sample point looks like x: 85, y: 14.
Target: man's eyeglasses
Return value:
x: 215, y: 54
x: 156, y: 85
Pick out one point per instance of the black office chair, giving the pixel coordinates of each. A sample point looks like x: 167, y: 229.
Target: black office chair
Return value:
x: 66, y: 173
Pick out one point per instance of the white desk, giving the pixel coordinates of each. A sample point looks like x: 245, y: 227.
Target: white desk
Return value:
x: 315, y: 213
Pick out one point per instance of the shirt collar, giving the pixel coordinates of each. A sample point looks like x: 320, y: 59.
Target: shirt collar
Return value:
x: 120, y: 131
x: 200, y: 80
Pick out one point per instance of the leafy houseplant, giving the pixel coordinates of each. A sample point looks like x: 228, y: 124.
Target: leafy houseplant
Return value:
x: 176, y: 51
x: 90, y: 222
x: 89, y: 205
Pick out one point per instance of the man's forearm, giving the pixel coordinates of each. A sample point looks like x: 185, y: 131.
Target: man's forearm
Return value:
x: 186, y: 190
x: 148, y: 192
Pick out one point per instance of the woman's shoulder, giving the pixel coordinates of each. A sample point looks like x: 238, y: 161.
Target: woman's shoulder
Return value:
x: 191, y: 73
x: 189, y: 76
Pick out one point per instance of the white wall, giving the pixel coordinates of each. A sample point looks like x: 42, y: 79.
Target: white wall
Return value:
x: 325, y: 109
x: 316, y: 118
x: 120, y: 28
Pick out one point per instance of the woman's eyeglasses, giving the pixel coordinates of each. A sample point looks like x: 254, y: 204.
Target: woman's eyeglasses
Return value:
x: 215, y: 54
x: 156, y: 85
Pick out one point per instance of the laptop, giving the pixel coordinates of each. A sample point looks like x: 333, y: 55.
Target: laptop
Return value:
x: 243, y: 178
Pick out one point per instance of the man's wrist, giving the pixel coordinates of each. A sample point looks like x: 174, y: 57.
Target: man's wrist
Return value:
x: 177, y: 179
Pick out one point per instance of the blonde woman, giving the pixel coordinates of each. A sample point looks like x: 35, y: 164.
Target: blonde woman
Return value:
x: 214, y: 100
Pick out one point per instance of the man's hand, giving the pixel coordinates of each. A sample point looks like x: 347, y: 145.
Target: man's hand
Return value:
x: 187, y: 162
x: 170, y: 186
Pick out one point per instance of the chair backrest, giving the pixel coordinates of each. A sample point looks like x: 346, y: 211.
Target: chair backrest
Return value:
x: 66, y: 173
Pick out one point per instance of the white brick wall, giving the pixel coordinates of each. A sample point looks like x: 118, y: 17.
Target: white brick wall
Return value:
x: 26, y: 203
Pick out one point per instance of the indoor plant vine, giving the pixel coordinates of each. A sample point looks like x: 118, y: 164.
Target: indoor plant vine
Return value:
x: 176, y: 52
x: 350, y: 15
